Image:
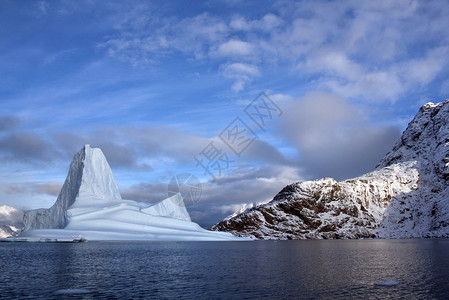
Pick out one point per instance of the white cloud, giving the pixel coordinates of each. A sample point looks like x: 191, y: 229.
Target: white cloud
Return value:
x: 203, y: 37
x: 234, y: 48
x: 242, y: 74
x: 41, y: 8
x: 241, y: 69
x: 155, y: 37
x: 424, y: 69
x: 365, y: 50
x: 239, y: 23
x: 362, y: 50
x: 11, y: 217
x: 267, y: 23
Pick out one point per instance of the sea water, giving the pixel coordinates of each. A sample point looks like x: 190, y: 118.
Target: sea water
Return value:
x: 324, y: 269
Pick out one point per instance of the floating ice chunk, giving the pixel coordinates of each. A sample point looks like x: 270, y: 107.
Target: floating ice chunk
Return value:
x: 387, y: 283
x: 72, y: 291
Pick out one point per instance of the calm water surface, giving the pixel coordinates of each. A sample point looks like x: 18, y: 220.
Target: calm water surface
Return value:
x: 327, y: 269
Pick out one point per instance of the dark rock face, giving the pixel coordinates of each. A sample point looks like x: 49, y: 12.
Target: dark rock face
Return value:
x: 406, y: 196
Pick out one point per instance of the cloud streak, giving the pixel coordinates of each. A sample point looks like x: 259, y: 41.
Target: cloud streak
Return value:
x: 33, y: 188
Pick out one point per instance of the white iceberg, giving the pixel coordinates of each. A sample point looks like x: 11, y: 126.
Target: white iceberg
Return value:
x: 71, y: 291
x: 89, y: 205
x: 387, y: 283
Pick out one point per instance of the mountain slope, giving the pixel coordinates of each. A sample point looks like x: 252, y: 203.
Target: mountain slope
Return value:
x: 406, y: 195
x: 424, y: 212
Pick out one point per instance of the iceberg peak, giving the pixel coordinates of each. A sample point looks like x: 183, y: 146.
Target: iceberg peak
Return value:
x: 89, y: 183
x: 90, y: 205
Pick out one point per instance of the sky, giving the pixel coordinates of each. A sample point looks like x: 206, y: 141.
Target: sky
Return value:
x: 245, y: 97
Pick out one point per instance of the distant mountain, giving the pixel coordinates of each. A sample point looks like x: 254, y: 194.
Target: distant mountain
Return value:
x: 406, y: 196
x: 10, y: 221
x: 90, y: 205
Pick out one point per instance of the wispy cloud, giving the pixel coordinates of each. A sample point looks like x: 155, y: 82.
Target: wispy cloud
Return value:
x: 358, y: 49
x: 241, y: 73
x: 267, y: 23
x: 193, y: 36
x: 41, y: 8
x: 142, y: 149
x: 235, y: 48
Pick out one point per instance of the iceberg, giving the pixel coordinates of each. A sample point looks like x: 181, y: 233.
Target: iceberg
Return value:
x: 71, y: 291
x: 90, y: 206
x: 387, y: 283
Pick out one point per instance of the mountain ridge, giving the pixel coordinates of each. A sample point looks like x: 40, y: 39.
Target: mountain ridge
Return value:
x: 406, y: 195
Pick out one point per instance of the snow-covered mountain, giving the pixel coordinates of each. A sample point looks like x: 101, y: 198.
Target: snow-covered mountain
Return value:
x: 407, y: 195
x: 90, y: 205
x: 10, y: 221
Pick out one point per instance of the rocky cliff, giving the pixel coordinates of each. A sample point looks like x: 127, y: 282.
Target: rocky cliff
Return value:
x: 407, y: 195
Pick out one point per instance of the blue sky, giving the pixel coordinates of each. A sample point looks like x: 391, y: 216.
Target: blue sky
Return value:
x: 154, y: 82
